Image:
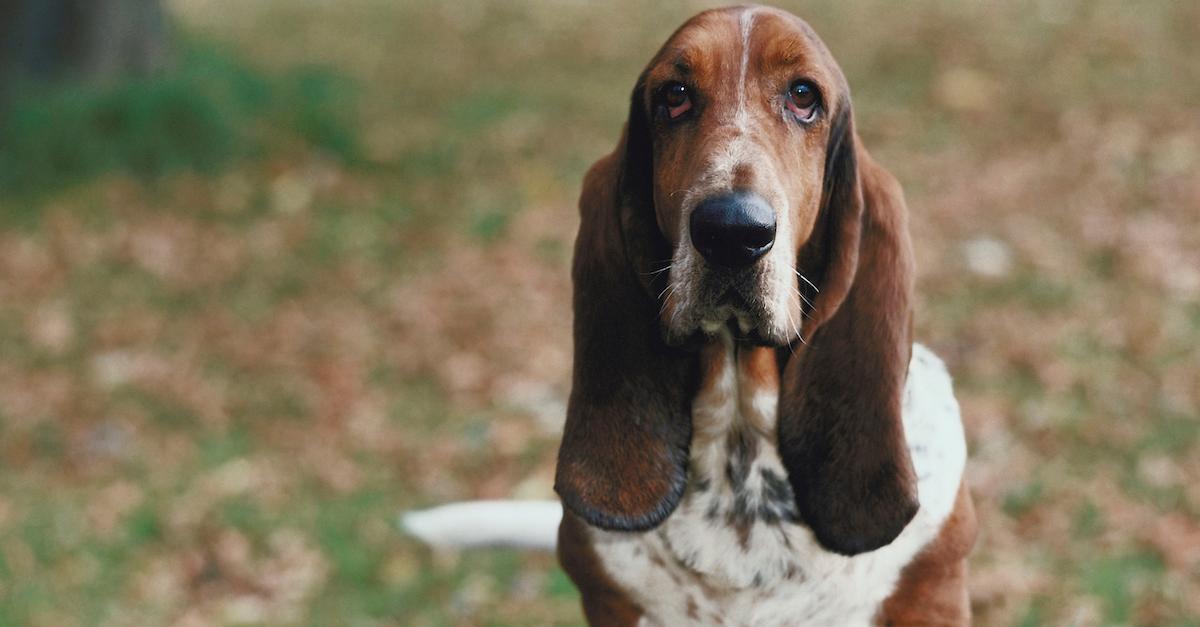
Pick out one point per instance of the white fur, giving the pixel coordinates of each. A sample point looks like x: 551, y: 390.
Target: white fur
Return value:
x: 525, y: 524
x: 746, y: 21
x: 692, y: 571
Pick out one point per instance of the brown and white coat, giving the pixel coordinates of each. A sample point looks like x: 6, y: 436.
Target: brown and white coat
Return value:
x: 756, y: 444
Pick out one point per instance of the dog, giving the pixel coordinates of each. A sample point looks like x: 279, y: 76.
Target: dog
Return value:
x: 752, y: 437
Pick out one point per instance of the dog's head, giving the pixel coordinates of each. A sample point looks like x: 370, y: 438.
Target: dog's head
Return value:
x: 740, y: 198
x: 739, y: 115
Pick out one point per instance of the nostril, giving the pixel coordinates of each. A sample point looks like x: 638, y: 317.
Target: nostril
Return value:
x: 758, y: 236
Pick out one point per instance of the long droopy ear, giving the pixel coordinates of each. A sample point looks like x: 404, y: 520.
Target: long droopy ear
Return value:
x: 623, y: 460
x: 840, y: 431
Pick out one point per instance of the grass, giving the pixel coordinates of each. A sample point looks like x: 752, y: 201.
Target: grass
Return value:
x: 251, y: 310
x: 206, y: 112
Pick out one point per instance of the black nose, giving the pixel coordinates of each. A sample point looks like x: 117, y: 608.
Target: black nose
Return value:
x: 733, y: 230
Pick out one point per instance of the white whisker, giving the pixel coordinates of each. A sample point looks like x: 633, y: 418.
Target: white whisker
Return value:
x: 805, y: 279
x: 658, y: 271
x: 671, y: 321
x: 801, y: 295
x: 795, y: 329
x: 668, y: 291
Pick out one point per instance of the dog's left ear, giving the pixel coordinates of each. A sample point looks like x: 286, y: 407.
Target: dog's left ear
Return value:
x: 840, y: 431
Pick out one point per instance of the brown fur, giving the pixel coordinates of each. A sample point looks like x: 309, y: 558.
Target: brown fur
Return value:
x: 604, y: 604
x: 933, y: 587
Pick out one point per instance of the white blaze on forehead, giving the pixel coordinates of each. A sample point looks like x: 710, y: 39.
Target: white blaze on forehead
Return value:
x: 746, y: 20
x: 737, y: 149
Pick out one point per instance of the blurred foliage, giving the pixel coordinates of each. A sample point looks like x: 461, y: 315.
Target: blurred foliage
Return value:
x: 207, y: 111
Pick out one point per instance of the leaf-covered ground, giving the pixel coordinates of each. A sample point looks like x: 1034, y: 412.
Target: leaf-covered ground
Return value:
x: 220, y: 384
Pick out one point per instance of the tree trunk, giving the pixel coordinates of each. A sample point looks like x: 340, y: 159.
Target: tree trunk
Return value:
x: 89, y: 40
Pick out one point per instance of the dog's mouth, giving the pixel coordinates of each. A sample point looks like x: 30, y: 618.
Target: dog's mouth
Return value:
x: 733, y: 313
x: 746, y: 319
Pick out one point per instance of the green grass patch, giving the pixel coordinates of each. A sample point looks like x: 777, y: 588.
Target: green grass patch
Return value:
x: 144, y: 525
x: 207, y: 111
x: 1088, y: 520
x: 1023, y: 498
x: 165, y: 411
x: 246, y: 515
x: 218, y: 449
x: 1035, y: 614
x: 559, y: 585
x: 1115, y: 580
x: 1175, y: 435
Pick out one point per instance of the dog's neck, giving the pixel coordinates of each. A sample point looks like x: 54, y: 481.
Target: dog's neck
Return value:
x: 736, y: 477
x: 738, y: 394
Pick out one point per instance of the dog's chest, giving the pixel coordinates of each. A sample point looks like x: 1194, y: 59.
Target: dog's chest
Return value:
x: 733, y: 552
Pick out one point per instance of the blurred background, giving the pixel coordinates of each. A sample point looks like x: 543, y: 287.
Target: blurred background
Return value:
x: 272, y: 271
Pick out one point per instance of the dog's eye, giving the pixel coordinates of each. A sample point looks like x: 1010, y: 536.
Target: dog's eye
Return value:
x: 675, y: 99
x: 803, y: 100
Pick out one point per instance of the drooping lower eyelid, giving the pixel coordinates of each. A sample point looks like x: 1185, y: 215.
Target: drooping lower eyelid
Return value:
x: 806, y: 115
x: 674, y: 113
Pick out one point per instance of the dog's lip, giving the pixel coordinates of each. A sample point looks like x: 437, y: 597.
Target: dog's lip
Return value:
x: 732, y: 311
x: 709, y: 328
x: 753, y: 336
x: 740, y: 326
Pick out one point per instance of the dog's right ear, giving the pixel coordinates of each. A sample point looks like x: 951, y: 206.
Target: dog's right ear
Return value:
x: 841, y: 433
x: 623, y: 460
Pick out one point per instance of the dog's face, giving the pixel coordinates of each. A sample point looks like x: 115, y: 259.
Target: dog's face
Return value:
x: 740, y: 172
x: 739, y: 107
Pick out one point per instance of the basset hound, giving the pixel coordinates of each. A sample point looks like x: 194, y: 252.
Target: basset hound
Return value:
x: 752, y: 437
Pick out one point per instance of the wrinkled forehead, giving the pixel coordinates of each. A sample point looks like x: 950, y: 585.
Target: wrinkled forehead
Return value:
x: 727, y: 44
